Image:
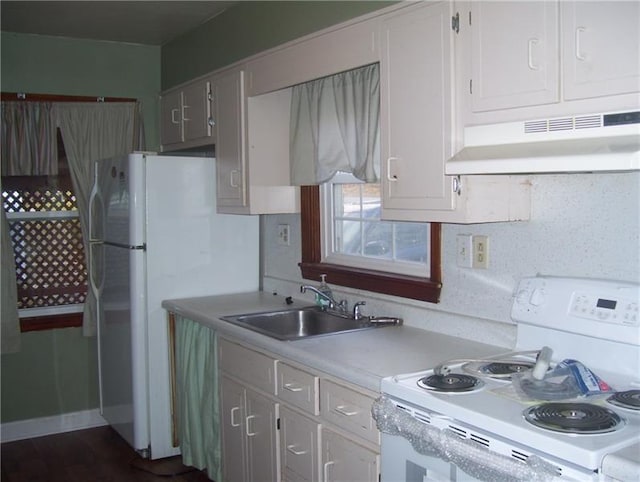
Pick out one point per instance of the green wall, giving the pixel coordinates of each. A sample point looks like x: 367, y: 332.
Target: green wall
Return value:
x: 249, y: 28
x: 56, y: 371
x: 55, y: 65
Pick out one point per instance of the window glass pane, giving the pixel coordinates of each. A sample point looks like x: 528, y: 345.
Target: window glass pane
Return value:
x: 410, y: 242
x: 378, y: 239
x: 49, y: 253
x: 49, y: 256
x: 348, y: 239
x: 359, y: 232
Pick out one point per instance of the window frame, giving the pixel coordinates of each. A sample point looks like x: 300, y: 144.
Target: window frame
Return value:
x: 327, y: 219
x: 405, y: 286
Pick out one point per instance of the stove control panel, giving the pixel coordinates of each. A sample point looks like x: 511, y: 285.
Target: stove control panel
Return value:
x: 597, y: 308
x: 606, y: 309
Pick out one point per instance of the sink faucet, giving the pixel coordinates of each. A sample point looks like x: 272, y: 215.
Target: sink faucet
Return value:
x: 357, y: 315
x: 340, y: 306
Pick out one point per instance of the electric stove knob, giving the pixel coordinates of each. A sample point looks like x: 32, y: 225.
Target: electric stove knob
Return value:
x: 522, y: 297
x: 537, y: 297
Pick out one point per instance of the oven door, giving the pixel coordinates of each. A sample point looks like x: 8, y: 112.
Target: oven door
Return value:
x: 401, y: 463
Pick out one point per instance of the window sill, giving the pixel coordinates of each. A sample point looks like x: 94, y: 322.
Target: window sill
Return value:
x: 412, y: 287
x: 50, y: 322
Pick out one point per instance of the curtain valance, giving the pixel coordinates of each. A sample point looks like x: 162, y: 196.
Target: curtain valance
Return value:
x: 335, y: 124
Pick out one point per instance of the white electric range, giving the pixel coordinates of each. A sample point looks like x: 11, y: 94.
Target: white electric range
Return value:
x: 474, y: 423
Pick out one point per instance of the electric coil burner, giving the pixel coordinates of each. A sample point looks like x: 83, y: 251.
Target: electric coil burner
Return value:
x: 498, y: 370
x: 629, y: 399
x: 451, y: 382
x: 573, y: 417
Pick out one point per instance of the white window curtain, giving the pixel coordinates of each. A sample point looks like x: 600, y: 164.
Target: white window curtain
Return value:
x: 29, y: 145
x: 93, y: 131
x: 335, y: 125
x: 28, y: 148
x: 10, y: 322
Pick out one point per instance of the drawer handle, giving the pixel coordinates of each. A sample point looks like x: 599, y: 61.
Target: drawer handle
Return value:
x: 579, y: 55
x: 531, y: 44
x: 233, y: 418
x: 391, y: 177
x: 292, y: 449
x: 325, y: 470
x: 292, y: 388
x: 232, y: 178
x: 343, y: 410
x: 247, y: 420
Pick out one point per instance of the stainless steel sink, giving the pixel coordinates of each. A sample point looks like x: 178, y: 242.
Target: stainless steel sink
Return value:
x: 301, y: 323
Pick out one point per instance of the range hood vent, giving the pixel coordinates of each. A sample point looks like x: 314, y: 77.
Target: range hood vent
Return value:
x: 586, y: 143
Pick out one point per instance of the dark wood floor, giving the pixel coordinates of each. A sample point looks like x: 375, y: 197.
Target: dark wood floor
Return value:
x: 93, y: 455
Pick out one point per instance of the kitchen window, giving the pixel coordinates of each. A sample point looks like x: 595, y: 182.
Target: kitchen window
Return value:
x: 364, y: 274
x: 45, y: 232
x: 355, y: 235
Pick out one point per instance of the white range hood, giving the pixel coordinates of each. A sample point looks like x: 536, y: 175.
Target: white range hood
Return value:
x: 587, y: 143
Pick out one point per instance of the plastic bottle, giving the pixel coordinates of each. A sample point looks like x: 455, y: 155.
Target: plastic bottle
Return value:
x: 324, y: 288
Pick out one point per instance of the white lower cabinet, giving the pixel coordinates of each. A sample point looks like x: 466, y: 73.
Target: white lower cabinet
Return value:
x: 249, y: 429
x: 299, y: 426
x: 345, y: 460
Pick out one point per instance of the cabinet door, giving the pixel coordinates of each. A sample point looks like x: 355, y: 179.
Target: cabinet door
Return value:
x: 345, y: 460
x: 229, y: 102
x: 171, y: 118
x: 514, y: 54
x: 415, y: 105
x: 298, y: 447
x: 601, y: 47
x: 262, y: 437
x: 232, y: 413
x: 196, y: 110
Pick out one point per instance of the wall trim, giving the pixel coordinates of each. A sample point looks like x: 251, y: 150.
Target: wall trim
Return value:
x: 39, y: 427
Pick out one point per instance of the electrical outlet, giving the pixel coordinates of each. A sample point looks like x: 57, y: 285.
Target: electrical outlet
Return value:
x: 464, y: 247
x: 481, y: 252
x: 283, y: 234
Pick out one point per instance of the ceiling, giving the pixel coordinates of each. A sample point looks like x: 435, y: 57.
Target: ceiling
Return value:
x: 140, y: 22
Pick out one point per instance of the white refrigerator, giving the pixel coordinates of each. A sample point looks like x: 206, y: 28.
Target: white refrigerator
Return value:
x: 155, y: 235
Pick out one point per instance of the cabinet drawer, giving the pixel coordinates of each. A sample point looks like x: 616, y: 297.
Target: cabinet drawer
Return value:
x: 298, y: 388
x: 348, y: 409
x: 254, y: 368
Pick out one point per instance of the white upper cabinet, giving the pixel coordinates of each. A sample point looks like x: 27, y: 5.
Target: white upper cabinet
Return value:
x: 186, y: 116
x: 415, y: 110
x: 417, y: 128
x: 514, y: 54
x: 230, y: 109
x: 520, y: 60
x: 252, y: 149
x: 601, y: 48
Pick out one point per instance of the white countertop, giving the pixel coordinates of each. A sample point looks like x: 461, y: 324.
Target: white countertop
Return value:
x: 361, y: 357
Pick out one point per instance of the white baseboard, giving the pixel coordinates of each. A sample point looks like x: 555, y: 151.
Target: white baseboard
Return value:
x: 38, y: 427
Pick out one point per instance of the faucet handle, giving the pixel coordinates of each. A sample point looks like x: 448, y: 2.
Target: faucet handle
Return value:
x: 356, y: 309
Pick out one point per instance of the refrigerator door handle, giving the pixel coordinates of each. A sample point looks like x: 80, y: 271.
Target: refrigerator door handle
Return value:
x: 95, y: 198
x: 132, y: 247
